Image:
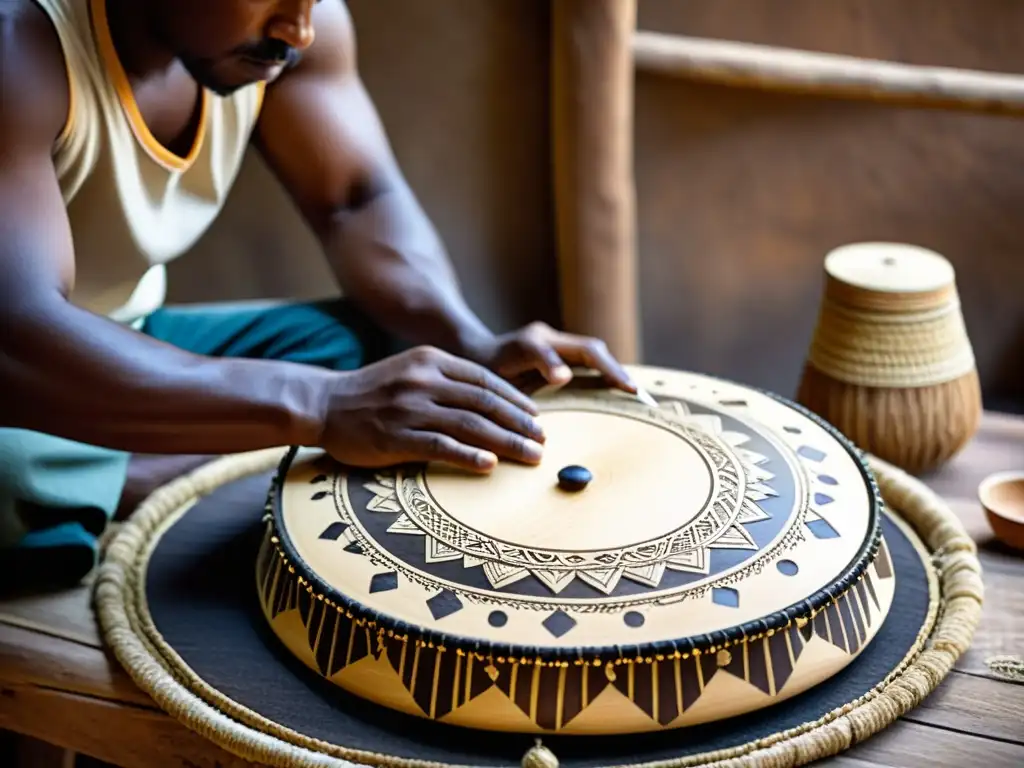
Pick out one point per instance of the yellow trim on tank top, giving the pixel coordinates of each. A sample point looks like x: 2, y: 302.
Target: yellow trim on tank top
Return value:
x: 261, y: 89
x: 156, y: 150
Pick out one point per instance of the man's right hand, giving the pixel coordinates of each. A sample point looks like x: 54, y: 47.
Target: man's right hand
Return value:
x: 428, y: 405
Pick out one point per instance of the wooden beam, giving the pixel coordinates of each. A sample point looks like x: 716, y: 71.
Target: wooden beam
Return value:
x: 824, y: 74
x: 595, y: 201
x: 125, y: 736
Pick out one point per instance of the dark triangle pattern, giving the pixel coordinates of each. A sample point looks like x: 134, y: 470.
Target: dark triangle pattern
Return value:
x: 643, y: 688
x: 883, y: 565
x: 708, y: 667
x: 444, y: 697
x: 849, y: 626
x: 305, y: 605
x: 757, y: 665
x: 871, y: 590
x: 662, y: 689
x: 316, y: 620
x: 862, y: 593
x: 407, y: 666
x: 572, y: 698
x: 621, y: 681
x: 821, y: 625
x: 597, y: 681
x: 361, y: 645
x: 263, y: 562
x: 690, y: 681
x: 324, y: 651
x: 778, y: 649
x: 268, y: 579
x: 808, y: 629
x: 395, y: 650
x: 423, y: 681
x: 504, y: 679
x: 668, y: 700
x: 547, y: 698
x: 523, y: 685
x: 479, y: 680
x: 285, y: 597
x: 859, y: 620
x: 835, y: 624
x: 736, y: 665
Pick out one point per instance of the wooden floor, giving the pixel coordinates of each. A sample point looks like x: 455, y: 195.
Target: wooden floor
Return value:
x: 58, y: 685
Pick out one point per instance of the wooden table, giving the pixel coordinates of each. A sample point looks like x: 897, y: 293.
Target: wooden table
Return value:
x: 58, y: 685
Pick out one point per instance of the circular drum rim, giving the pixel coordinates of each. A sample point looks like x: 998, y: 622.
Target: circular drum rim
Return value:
x: 279, y: 537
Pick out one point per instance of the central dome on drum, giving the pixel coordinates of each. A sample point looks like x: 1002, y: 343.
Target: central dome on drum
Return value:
x: 711, y: 556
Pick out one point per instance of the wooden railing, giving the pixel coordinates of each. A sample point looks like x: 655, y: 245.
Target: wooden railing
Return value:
x: 596, y: 52
x: 824, y: 74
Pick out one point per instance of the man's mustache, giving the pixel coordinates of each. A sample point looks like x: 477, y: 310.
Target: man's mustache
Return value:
x: 269, y: 51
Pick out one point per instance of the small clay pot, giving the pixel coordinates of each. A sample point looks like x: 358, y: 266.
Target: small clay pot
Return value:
x: 1002, y: 496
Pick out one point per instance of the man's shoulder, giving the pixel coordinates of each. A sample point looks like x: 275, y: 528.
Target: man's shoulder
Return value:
x: 33, y: 76
x: 334, y: 45
x: 26, y: 30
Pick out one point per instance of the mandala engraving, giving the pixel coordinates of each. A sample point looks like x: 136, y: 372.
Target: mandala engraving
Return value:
x: 740, y: 482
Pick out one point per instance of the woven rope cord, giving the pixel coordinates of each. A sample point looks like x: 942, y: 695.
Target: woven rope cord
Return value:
x: 1010, y: 667
x: 128, y: 629
x: 888, y: 349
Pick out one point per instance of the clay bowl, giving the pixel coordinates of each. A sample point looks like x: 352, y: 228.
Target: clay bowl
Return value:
x: 1002, y: 496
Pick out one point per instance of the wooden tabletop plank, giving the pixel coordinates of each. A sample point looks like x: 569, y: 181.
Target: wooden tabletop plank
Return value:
x: 32, y: 658
x: 975, y: 705
x: 912, y: 745
x: 125, y: 736
x: 1001, y: 630
x: 66, y: 614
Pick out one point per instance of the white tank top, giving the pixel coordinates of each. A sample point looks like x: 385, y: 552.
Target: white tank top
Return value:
x: 133, y: 205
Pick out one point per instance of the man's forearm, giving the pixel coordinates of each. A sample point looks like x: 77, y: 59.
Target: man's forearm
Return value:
x: 72, y: 374
x: 390, y: 260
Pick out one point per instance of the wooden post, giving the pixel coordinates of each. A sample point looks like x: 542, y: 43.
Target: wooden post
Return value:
x: 595, y: 199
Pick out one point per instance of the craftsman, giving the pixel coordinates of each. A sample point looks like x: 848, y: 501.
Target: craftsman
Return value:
x: 123, y: 124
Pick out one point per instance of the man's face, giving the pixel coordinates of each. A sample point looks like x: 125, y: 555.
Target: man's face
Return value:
x: 228, y: 44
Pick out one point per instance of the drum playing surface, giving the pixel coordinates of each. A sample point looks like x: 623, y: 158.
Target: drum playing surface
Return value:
x: 602, y: 590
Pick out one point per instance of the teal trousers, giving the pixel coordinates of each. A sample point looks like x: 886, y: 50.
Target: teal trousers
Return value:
x: 57, y: 496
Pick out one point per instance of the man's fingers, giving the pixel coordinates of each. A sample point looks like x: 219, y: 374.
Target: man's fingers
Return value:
x: 529, y: 381
x: 536, y: 355
x: 488, y: 404
x: 474, y: 430
x: 546, y: 358
x: 468, y: 372
x: 434, y: 446
x: 594, y: 354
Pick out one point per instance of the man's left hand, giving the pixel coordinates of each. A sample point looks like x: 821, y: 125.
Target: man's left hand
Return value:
x: 539, y: 349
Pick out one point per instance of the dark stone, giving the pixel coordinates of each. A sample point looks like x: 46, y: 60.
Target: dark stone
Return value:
x: 574, y: 478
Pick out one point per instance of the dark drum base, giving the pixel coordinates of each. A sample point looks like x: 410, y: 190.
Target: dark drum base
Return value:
x: 202, y: 596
